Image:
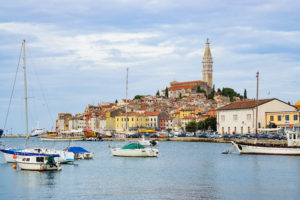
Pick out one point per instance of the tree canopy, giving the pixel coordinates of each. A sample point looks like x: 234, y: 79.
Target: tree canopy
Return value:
x: 209, y: 123
x: 138, y: 96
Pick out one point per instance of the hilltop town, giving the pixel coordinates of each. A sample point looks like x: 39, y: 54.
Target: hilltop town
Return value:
x: 182, y: 103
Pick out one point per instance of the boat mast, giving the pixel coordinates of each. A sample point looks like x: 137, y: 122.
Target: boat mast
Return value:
x: 257, y: 77
x: 25, y: 85
x: 126, y: 102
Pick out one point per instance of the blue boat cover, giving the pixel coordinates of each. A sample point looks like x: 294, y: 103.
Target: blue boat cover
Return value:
x: 77, y: 150
x: 1, y: 132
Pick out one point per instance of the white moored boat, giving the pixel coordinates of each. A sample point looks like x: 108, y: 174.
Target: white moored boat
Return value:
x: 134, y: 150
x: 146, y: 142
x: 38, y: 163
x: 60, y: 156
x: 291, y: 148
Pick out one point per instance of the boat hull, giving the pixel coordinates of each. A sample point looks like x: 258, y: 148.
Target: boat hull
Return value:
x: 134, y: 152
x: 266, y: 150
x: 38, y: 166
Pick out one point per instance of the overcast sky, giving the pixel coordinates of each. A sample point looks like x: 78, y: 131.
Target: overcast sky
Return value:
x: 78, y: 51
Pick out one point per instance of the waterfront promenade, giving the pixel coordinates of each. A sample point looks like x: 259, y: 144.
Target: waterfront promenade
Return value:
x: 188, y: 139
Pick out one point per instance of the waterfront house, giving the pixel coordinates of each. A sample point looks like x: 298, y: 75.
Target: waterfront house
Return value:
x: 240, y: 116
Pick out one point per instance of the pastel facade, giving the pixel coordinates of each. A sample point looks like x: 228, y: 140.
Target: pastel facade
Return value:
x: 283, y: 119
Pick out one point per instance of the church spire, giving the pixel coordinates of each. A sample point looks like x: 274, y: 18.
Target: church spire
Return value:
x: 207, y: 53
x: 207, y: 63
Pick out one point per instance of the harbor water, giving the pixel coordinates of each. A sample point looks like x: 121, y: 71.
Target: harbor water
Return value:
x: 183, y: 170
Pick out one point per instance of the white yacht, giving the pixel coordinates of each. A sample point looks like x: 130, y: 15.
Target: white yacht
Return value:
x: 134, y: 150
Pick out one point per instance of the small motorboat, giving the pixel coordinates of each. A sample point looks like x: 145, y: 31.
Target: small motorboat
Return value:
x: 146, y: 142
x: 80, y: 153
x: 134, y: 150
x: 38, y: 163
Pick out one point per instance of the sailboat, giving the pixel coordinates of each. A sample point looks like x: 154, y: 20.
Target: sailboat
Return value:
x: 33, y: 157
x: 133, y: 149
x: 291, y: 148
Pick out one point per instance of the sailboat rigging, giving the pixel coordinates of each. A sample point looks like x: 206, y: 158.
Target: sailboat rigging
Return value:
x: 39, y: 158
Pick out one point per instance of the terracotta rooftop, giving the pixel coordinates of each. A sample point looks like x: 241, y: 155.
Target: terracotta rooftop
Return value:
x: 155, y: 113
x: 187, y: 82
x: 244, y: 104
x: 180, y: 87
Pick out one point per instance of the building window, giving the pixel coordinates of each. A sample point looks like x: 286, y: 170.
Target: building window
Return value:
x: 295, y: 117
x: 228, y: 130
x: 131, y: 119
x: 248, y: 129
x: 242, y: 130
x: 234, y: 129
x: 279, y: 117
x: 223, y: 130
x: 235, y: 117
x: 248, y: 116
x: 271, y: 118
x: 222, y: 117
x: 287, y: 118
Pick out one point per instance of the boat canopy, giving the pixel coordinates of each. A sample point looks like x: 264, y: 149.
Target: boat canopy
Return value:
x: 77, y: 150
x: 133, y: 146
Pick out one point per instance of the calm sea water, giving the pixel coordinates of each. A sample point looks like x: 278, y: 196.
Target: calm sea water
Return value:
x: 183, y: 170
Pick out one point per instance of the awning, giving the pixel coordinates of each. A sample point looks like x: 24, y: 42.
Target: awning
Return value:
x: 77, y: 150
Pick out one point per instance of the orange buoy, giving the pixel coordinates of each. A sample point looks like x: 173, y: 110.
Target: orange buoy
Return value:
x: 14, y: 156
x: 14, y: 166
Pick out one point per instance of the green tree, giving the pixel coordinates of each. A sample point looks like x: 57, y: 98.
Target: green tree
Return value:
x: 245, y: 94
x: 157, y: 93
x: 229, y: 92
x: 167, y: 92
x: 199, y: 90
x: 208, y: 123
x: 180, y: 96
x: 211, y: 95
x: 191, y: 127
x: 211, y: 123
x: 116, y: 101
x: 138, y: 96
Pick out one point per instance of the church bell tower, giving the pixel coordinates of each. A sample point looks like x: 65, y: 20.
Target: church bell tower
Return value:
x: 207, y: 62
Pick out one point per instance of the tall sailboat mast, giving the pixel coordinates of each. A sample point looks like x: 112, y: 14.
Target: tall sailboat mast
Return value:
x: 25, y: 85
x: 126, y: 102
x: 257, y: 77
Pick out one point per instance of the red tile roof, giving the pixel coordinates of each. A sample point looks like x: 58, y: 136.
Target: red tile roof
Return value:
x: 181, y: 87
x: 244, y: 104
x: 187, y: 82
x: 155, y: 113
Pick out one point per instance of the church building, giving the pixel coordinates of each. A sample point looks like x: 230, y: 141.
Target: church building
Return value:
x: 185, y: 88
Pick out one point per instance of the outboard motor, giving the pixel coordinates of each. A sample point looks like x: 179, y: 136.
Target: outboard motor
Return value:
x: 153, y: 142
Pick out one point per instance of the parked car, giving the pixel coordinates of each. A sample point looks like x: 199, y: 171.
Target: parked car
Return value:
x: 237, y: 135
x: 203, y: 135
x: 227, y: 136
x: 262, y: 136
x: 189, y: 134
